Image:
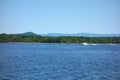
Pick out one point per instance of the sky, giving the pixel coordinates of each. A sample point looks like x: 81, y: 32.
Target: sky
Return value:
x: 60, y: 16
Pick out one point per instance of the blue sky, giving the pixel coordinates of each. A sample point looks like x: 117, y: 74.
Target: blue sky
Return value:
x: 60, y: 16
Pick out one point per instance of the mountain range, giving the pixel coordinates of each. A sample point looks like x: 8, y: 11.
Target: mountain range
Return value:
x: 77, y: 34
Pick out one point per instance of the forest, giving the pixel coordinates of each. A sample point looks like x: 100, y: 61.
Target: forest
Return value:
x: 61, y: 39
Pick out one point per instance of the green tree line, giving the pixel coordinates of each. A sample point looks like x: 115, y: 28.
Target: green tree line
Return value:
x: 61, y: 39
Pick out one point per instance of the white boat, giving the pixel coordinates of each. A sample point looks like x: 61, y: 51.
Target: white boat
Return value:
x: 85, y: 44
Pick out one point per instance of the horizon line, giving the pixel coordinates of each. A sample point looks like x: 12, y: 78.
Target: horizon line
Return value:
x: 57, y: 33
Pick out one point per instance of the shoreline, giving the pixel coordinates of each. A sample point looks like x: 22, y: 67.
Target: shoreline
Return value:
x: 59, y: 43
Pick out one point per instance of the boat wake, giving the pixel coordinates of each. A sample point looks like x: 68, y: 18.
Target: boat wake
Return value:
x: 87, y: 44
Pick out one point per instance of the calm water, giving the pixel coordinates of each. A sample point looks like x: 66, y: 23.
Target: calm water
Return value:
x: 26, y: 61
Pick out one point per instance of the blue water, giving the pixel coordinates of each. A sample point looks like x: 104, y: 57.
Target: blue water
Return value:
x: 32, y: 61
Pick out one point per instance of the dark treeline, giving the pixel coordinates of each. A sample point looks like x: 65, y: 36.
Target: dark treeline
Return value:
x: 62, y: 39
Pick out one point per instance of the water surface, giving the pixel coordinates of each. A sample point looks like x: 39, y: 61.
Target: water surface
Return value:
x: 32, y: 61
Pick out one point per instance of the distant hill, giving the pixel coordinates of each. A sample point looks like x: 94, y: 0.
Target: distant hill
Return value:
x: 82, y: 34
x: 77, y: 34
x: 28, y: 34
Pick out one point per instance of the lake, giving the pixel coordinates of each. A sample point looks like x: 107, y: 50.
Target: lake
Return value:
x: 36, y: 61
